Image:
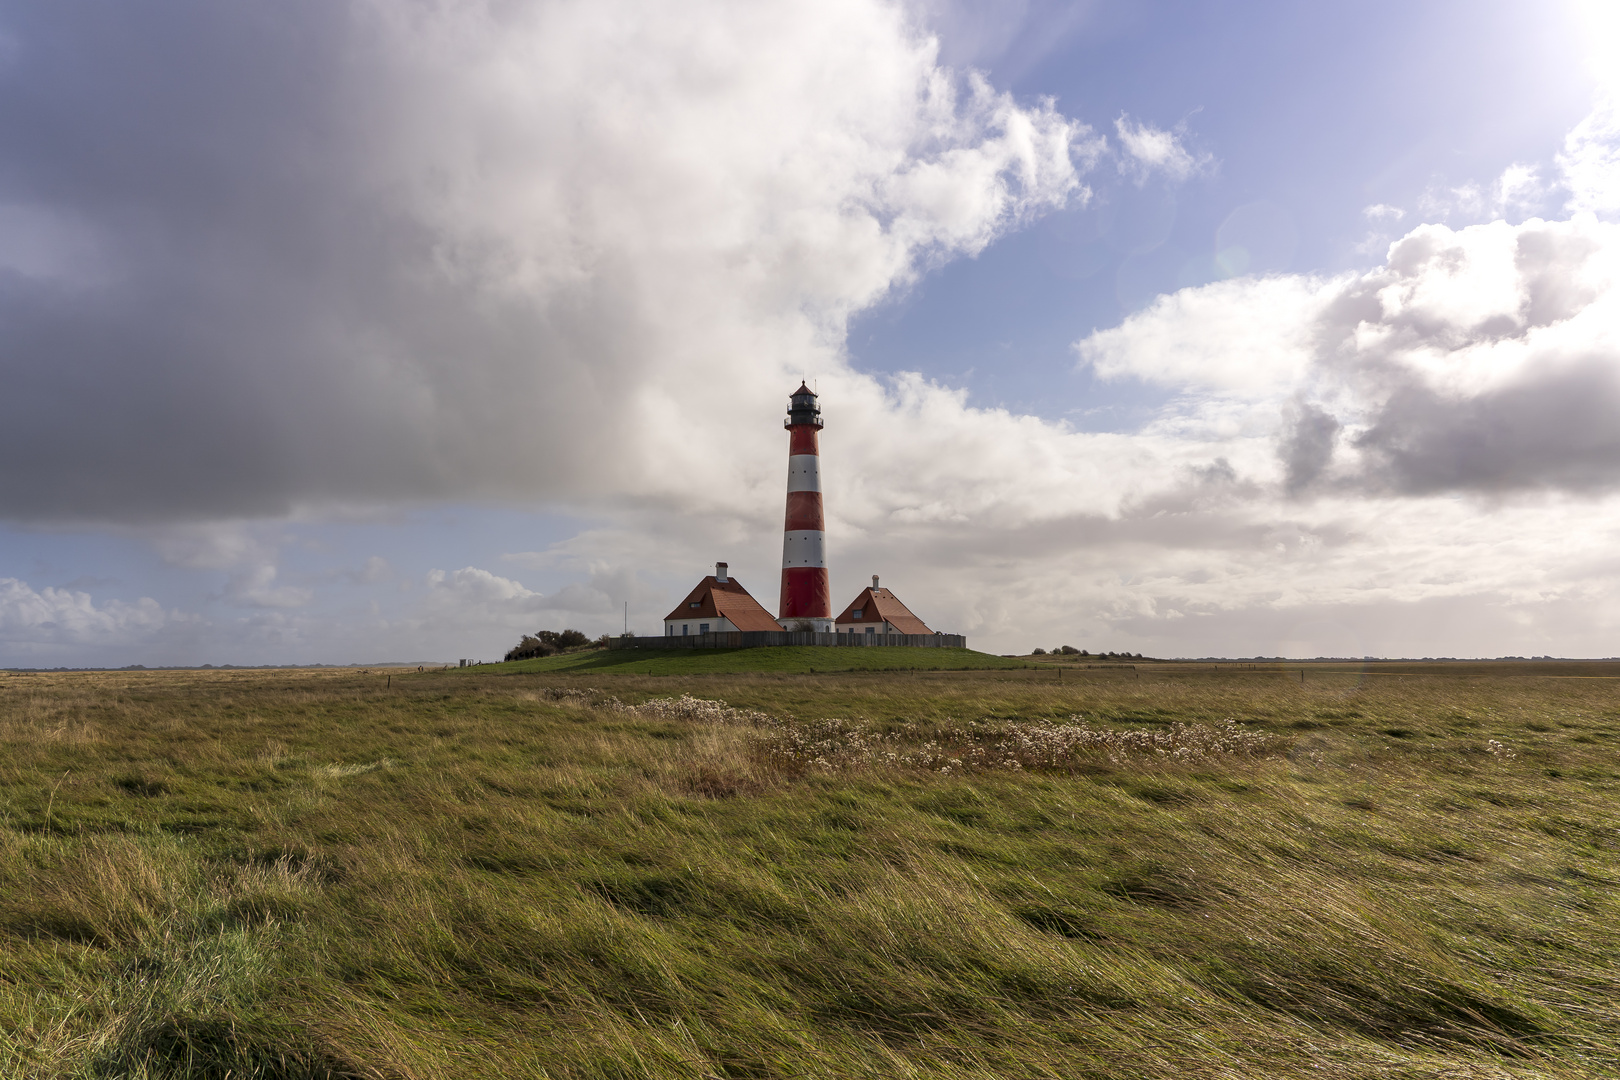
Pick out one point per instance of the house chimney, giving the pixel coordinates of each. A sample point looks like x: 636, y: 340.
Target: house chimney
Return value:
x: 720, y: 572
x: 874, y: 581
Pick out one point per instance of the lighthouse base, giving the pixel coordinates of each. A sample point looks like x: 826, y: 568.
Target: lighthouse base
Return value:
x: 816, y: 626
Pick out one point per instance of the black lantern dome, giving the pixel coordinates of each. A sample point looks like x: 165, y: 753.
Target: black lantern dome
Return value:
x: 802, y: 408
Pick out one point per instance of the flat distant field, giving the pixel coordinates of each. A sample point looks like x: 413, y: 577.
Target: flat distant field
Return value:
x: 789, y: 658
x: 1390, y: 871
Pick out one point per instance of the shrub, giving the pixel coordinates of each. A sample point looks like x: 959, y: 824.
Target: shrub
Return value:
x: 1037, y: 652
x: 530, y: 647
x: 547, y: 642
x: 1069, y: 650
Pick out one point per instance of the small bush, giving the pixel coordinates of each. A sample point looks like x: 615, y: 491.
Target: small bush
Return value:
x: 1037, y: 652
x: 551, y: 642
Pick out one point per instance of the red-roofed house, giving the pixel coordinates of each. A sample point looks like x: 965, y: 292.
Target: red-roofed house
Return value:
x: 878, y: 611
x: 718, y: 605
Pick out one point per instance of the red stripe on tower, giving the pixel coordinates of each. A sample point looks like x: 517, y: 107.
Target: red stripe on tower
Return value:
x: 806, y: 595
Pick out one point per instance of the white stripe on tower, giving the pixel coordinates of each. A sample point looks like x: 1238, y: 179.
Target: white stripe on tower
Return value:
x: 804, y: 472
x: 804, y: 548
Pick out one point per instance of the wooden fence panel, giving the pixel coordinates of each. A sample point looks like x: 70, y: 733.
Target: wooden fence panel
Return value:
x: 754, y: 639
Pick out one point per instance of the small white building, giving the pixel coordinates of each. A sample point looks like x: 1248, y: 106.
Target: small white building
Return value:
x: 718, y: 605
x: 878, y: 611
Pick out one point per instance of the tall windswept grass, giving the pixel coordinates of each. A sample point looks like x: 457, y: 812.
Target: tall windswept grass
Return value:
x: 969, y: 874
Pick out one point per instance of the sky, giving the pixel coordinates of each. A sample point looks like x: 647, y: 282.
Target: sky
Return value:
x: 390, y: 330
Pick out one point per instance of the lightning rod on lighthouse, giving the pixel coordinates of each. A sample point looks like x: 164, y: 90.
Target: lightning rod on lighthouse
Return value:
x: 806, y: 594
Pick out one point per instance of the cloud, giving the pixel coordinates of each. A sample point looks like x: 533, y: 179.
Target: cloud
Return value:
x: 1426, y: 445
x: 256, y: 587
x: 213, y: 545
x: 36, y: 617
x: 1590, y: 161
x: 1485, y: 359
x: 271, y: 264
x: 1307, y: 445
x: 1587, y: 171
x: 475, y: 589
x: 373, y: 570
x: 367, y: 254
x: 1517, y: 193
x: 1150, y: 150
x: 1243, y: 336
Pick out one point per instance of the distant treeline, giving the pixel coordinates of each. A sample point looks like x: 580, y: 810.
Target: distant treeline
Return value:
x: 1070, y: 650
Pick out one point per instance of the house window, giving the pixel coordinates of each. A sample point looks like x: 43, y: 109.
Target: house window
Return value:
x: 703, y: 628
x: 669, y: 628
x: 695, y: 603
x: 871, y: 629
x: 686, y: 628
x: 855, y: 614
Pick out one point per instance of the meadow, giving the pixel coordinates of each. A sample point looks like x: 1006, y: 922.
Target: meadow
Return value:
x: 1166, y: 870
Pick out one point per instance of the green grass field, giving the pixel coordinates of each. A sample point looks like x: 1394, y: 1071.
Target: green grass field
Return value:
x: 1171, y: 871
x: 805, y: 659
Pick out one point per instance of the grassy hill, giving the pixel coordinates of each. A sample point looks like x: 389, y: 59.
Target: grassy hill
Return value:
x: 1169, y: 872
x: 802, y: 659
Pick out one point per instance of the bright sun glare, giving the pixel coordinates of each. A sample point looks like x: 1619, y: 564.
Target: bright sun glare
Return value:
x: 1599, y: 22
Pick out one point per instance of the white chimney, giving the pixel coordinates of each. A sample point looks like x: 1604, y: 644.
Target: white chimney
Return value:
x: 874, y: 581
x: 720, y: 572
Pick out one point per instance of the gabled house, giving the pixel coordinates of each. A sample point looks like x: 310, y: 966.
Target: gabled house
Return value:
x: 718, y: 605
x: 878, y: 611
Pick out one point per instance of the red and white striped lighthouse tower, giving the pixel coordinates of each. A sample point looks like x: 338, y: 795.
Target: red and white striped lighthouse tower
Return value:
x: 806, y: 595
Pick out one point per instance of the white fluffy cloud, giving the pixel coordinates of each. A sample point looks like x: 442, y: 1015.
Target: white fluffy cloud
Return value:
x: 51, y: 616
x: 1591, y: 161
x: 1485, y: 359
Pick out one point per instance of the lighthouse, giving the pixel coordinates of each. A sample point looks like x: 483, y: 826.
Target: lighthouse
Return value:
x: 806, y: 594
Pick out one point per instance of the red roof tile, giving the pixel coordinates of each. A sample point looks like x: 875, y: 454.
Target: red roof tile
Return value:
x: 880, y: 606
x: 724, y: 600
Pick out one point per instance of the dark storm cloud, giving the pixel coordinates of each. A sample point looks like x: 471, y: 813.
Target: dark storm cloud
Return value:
x: 252, y: 329
x: 263, y: 256
x: 1478, y: 361
x: 1558, y: 429
x: 1307, y: 446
